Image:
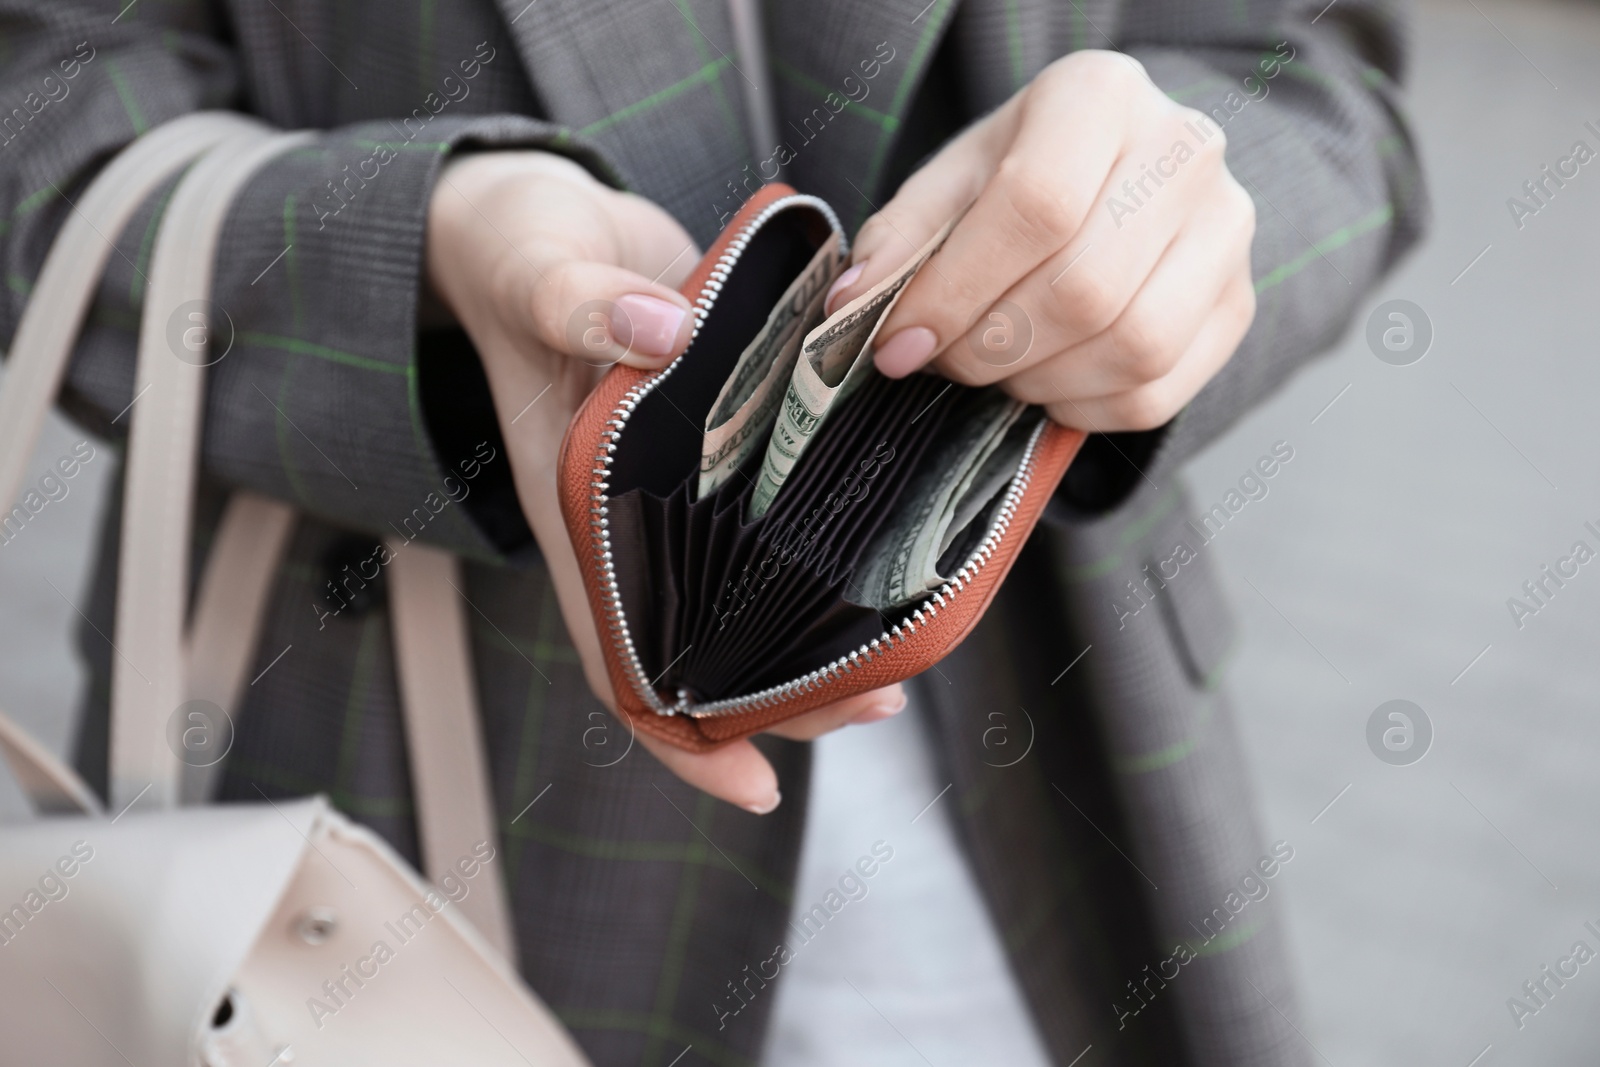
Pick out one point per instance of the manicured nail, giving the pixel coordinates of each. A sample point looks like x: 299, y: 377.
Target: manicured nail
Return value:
x: 844, y: 281
x: 877, y: 713
x: 646, y: 324
x: 767, y: 808
x: 883, y: 708
x: 905, y: 351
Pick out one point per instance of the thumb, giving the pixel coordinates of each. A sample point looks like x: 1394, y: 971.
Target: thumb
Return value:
x: 941, y: 190
x: 737, y: 773
x: 604, y: 314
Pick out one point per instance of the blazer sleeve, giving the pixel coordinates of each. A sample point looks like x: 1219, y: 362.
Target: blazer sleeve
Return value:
x: 322, y: 399
x: 1306, y: 94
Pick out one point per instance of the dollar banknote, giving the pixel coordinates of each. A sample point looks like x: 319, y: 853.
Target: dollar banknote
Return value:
x: 962, y: 475
x: 992, y: 477
x: 741, y: 417
x: 833, y: 361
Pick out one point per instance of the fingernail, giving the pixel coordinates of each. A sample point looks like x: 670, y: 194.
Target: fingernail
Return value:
x: 905, y: 351
x: 882, y: 709
x: 646, y: 324
x: 844, y: 281
x: 767, y: 808
x: 877, y: 713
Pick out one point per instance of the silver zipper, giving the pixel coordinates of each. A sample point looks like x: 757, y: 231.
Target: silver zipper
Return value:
x: 616, y: 617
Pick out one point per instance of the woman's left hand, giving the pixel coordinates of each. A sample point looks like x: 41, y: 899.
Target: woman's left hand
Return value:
x: 1102, y: 268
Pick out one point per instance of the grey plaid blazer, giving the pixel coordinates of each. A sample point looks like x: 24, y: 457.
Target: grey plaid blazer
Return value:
x: 1125, y: 833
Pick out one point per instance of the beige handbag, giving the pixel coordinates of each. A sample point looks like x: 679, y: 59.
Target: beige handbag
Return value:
x: 244, y: 935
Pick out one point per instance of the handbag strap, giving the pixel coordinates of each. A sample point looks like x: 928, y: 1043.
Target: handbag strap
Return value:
x: 433, y: 658
x: 159, y: 662
x: 42, y: 346
x: 61, y: 294
x: 230, y: 607
x: 50, y: 786
x: 454, y: 807
x: 148, y: 680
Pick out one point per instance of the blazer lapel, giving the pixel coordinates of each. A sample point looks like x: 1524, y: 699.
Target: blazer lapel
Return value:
x: 656, y: 86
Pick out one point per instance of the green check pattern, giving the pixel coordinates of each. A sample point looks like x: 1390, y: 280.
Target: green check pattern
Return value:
x: 637, y: 899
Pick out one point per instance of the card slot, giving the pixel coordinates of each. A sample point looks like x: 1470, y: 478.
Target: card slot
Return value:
x: 675, y: 610
x: 734, y: 494
x: 727, y: 552
x: 789, y: 608
x: 907, y: 431
x: 766, y: 629
x: 724, y: 553
x: 731, y: 499
x: 797, y: 609
x: 631, y: 542
x: 697, y: 523
x: 641, y: 538
x: 841, y: 434
x: 766, y: 589
x: 843, y: 628
x: 811, y: 578
x: 773, y: 591
x: 829, y: 483
x: 733, y: 606
x: 843, y: 500
x: 938, y: 418
x: 835, y: 628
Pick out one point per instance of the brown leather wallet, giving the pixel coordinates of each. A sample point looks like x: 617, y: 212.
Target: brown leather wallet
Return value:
x: 716, y: 626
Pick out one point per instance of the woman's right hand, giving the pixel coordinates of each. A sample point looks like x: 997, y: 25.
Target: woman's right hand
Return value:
x: 556, y: 277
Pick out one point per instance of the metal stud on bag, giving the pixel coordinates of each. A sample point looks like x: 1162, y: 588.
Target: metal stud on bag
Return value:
x: 316, y: 926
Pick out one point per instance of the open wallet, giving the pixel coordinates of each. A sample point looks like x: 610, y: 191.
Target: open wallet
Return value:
x: 767, y: 524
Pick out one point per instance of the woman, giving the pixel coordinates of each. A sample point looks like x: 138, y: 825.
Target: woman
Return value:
x: 1184, y: 200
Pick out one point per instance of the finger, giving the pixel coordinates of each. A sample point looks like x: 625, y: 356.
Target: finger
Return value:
x: 572, y: 276
x: 651, y: 242
x: 1155, y: 404
x: 576, y: 212
x: 604, y: 314
x: 1084, y: 289
x: 571, y: 597
x: 558, y: 259
x: 1041, y: 193
x: 1154, y: 330
x: 938, y: 192
x: 737, y: 773
x: 860, y: 709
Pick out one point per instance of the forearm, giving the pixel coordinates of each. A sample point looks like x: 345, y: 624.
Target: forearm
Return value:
x: 327, y: 396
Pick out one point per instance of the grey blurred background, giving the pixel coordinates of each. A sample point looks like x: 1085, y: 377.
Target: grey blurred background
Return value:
x: 1419, y: 500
